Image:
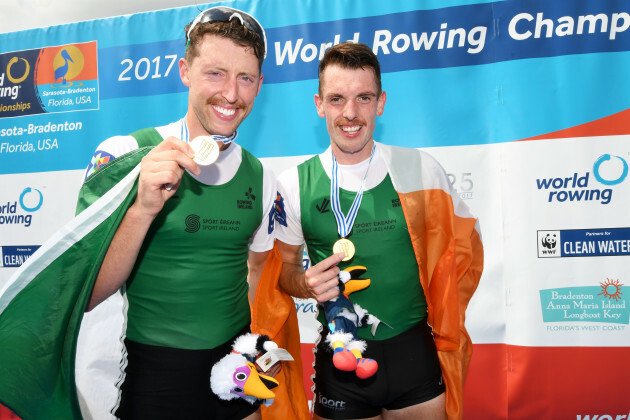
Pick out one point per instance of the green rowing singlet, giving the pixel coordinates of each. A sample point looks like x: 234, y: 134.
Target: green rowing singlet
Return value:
x: 189, y: 286
x: 382, y: 243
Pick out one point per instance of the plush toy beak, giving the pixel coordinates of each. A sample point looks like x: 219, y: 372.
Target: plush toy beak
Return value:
x: 259, y: 386
x: 355, y: 283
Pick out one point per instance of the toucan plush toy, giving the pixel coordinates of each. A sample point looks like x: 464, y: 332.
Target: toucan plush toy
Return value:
x: 235, y: 376
x: 343, y: 320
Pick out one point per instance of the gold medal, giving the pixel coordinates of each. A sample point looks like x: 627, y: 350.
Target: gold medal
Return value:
x: 206, y: 150
x: 346, y: 246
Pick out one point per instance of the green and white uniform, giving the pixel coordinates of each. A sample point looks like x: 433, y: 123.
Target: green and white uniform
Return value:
x: 379, y: 234
x: 189, y: 287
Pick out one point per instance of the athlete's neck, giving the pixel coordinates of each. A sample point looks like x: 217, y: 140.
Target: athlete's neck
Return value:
x: 352, y: 158
x: 195, y: 129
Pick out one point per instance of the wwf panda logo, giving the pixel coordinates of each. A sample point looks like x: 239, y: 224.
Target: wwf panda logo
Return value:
x: 549, y: 241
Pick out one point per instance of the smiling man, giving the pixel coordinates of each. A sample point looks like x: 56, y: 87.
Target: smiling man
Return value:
x: 393, y: 216
x: 190, y: 250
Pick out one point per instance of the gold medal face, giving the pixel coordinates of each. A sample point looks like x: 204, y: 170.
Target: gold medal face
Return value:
x: 346, y: 246
x: 206, y: 150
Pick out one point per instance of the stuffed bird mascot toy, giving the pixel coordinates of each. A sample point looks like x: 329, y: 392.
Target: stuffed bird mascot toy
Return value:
x: 343, y: 320
x: 236, y: 376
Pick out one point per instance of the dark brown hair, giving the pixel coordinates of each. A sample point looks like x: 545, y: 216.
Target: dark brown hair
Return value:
x: 231, y: 30
x: 351, y: 55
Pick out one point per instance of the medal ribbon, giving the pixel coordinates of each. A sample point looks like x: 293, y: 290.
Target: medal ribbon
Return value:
x: 344, y: 224
x: 224, y: 139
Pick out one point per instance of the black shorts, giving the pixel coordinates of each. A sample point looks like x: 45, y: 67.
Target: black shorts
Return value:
x: 408, y: 373
x: 169, y: 383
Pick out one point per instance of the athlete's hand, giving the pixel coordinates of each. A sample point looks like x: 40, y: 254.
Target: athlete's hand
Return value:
x: 161, y: 171
x: 322, y: 278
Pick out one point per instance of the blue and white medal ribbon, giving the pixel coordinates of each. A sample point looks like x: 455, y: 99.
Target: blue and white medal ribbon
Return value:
x: 345, y: 223
x: 206, y: 148
x: 225, y: 139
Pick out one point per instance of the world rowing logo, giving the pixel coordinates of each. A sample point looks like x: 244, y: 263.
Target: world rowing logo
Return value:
x: 19, y: 75
x: 30, y: 201
x: 31, y: 204
x: 622, y: 169
x: 608, y: 171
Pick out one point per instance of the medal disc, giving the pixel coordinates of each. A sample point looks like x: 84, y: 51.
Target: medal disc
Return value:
x: 206, y: 150
x: 346, y: 246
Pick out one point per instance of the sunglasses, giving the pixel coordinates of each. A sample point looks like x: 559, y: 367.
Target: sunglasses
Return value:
x: 226, y: 14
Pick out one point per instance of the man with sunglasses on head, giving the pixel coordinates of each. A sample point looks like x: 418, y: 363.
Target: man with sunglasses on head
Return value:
x: 188, y: 288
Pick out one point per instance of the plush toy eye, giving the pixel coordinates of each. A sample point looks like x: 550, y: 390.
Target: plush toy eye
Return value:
x: 240, y: 376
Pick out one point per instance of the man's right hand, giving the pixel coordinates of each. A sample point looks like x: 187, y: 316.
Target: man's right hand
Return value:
x: 318, y: 282
x: 161, y: 167
x: 323, y: 278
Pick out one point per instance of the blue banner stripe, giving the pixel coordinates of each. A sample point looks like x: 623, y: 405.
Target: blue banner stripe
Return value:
x: 426, y: 39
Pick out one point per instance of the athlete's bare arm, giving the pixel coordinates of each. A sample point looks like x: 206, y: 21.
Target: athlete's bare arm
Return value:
x: 255, y: 264
x: 319, y: 281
